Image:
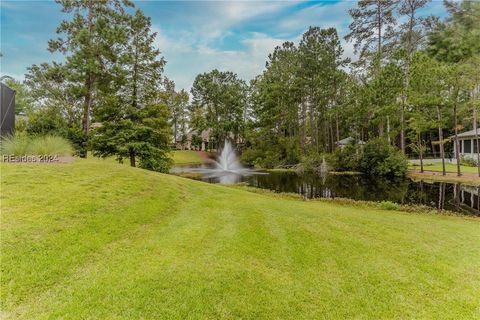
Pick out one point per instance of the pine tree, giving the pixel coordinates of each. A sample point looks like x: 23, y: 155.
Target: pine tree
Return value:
x: 134, y: 120
x: 412, y: 36
x: 372, y: 29
x: 91, y: 41
x: 321, y: 60
x: 220, y: 98
x: 177, y: 103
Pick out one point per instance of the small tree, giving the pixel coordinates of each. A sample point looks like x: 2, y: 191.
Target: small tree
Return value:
x: 146, y: 137
x: 381, y: 159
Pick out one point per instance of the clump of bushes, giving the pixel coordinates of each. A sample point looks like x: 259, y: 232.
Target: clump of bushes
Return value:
x: 20, y: 145
x: 381, y: 159
x: 388, y: 205
x: 273, y: 152
x: 469, y: 162
x: 375, y: 158
x: 347, y: 158
x: 313, y: 162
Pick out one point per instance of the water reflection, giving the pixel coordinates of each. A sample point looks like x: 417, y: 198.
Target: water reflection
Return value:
x: 448, y: 196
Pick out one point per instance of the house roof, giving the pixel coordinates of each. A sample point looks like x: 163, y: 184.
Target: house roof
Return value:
x: 467, y: 134
x: 348, y: 140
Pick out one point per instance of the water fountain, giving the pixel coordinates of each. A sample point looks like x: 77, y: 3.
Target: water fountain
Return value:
x: 228, y: 160
x: 227, y: 169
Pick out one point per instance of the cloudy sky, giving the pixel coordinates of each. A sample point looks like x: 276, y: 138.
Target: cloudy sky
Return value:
x: 194, y: 36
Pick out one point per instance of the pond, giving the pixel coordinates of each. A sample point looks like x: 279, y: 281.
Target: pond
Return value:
x: 454, y: 197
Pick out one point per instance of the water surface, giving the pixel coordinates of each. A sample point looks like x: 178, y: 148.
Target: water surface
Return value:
x: 454, y: 197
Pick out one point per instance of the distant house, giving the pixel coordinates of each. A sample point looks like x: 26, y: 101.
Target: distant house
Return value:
x: 467, y: 144
x: 189, y: 144
x: 349, y: 140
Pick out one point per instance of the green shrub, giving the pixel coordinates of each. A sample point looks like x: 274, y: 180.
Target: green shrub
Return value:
x: 270, y: 152
x: 290, y: 150
x: 347, y: 158
x: 469, y: 162
x: 251, y: 156
x: 51, y: 145
x: 159, y: 164
x: 388, y: 205
x: 42, y: 145
x: 381, y: 159
x: 311, y: 162
x: 15, y: 145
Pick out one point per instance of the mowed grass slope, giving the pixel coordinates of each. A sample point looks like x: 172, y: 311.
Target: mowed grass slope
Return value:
x: 182, y: 157
x: 99, y: 240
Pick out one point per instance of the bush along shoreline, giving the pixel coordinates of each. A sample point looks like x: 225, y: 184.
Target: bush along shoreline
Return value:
x: 375, y: 158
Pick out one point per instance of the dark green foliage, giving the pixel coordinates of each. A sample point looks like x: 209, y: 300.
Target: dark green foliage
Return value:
x: 196, y: 141
x: 23, y: 97
x: 219, y: 103
x: 297, y: 98
x: 145, y: 138
x: 133, y: 124
x: 91, y: 40
x: 458, y: 38
x: 49, y: 120
x: 381, y: 159
x: 347, y: 158
x: 177, y: 103
x: 311, y: 162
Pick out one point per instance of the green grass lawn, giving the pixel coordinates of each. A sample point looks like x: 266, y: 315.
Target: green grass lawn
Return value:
x: 182, y: 157
x: 97, y: 240
x: 450, y: 167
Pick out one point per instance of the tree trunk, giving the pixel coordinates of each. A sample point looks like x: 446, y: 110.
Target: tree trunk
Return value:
x: 402, y: 126
x: 304, y: 125
x: 86, y: 115
x: 440, y: 138
x: 379, y: 30
x: 86, y: 107
x: 432, y: 145
x: 87, y: 103
x: 175, y: 131
x: 337, y: 123
x: 381, y: 129
x: 457, y: 145
x: 132, y: 158
x: 332, y: 142
x: 388, y: 130
x: 477, y: 141
x: 420, y: 150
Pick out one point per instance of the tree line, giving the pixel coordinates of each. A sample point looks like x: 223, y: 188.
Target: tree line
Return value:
x: 414, y: 83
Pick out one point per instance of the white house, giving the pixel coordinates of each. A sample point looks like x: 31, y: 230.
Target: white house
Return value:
x: 349, y: 140
x: 468, y: 144
x: 188, y: 145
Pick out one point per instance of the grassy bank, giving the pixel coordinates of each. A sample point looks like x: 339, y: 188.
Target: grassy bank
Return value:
x: 449, y: 167
x: 432, y: 172
x: 468, y: 179
x: 184, y: 157
x: 93, y: 239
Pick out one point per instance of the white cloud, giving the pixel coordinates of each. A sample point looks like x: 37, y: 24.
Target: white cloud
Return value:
x: 193, y: 50
x: 322, y: 15
x: 189, y: 58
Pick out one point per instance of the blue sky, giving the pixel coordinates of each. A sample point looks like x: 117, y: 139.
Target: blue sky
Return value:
x: 194, y: 36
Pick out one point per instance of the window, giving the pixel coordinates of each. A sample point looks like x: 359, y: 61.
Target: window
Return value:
x: 467, y: 146
x: 475, y: 146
